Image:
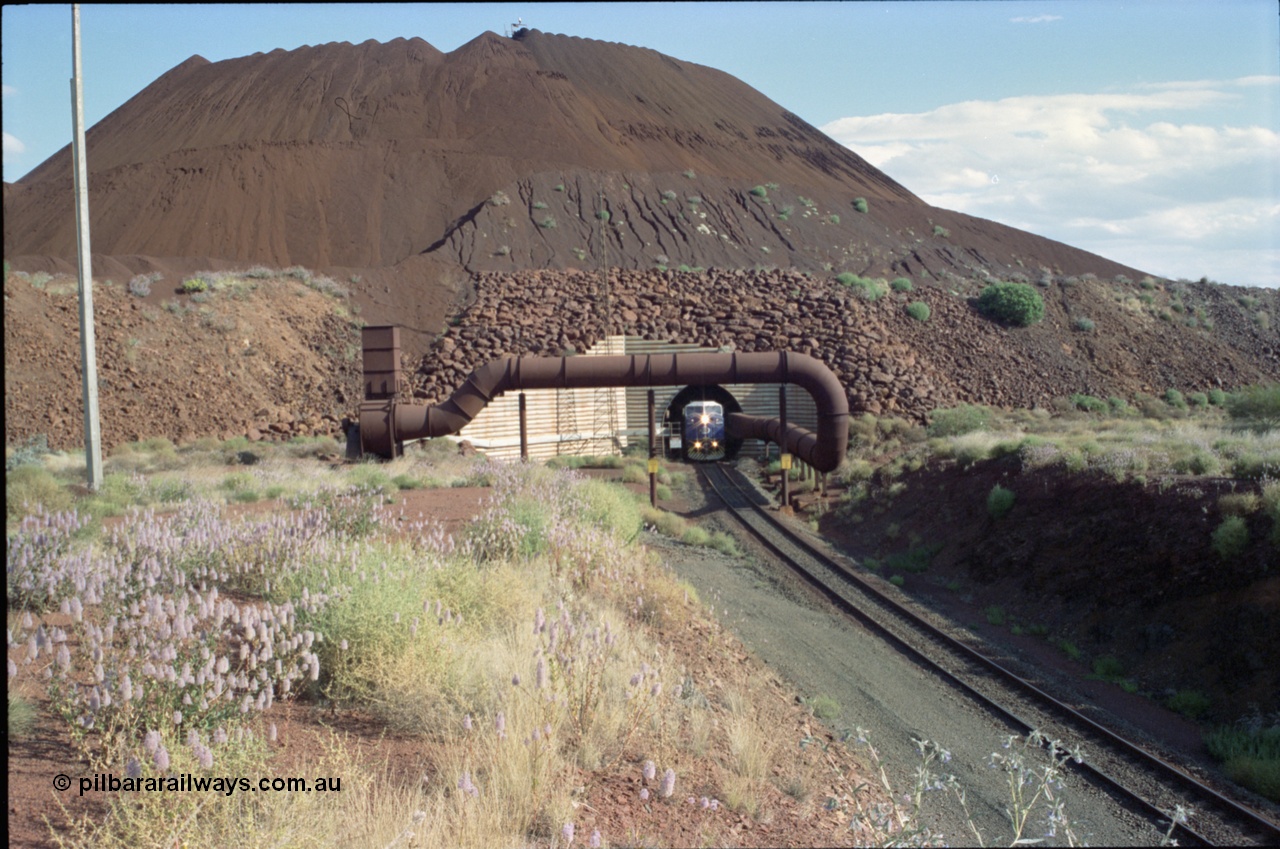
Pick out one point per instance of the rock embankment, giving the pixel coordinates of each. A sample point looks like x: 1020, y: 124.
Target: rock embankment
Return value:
x: 888, y: 361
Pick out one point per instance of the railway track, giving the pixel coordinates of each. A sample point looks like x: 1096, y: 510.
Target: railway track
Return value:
x: 1148, y: 784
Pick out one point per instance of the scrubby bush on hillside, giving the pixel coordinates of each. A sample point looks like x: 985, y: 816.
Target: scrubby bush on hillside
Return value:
x: 1012, y: 303
x: 760, y: 192
x: 958, y: 420
x: 865, y: 287
x: 1174, y: 399
x: 1089, y: 403
x: 999, y: 501
x: 919, y: 310
x: 1231, y: 538
x: 901, y: 284
x: 1257, y: 406
x: 860, y: 204
x: 140, y: 285
x: 1083, y: 324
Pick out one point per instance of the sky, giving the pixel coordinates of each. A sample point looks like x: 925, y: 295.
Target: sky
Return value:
x: 1147, y: 132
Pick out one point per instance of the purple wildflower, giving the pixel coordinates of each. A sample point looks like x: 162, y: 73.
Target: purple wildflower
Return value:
x: 595, y: 839
x: 649, y: 770
x: 162, y: 758
x: 567, y: 834
x: 668, y: 783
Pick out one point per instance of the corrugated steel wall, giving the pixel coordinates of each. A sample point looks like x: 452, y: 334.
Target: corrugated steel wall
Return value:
x: 605, y: 421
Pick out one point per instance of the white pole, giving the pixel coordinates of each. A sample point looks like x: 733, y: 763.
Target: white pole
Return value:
x: 88, y: 345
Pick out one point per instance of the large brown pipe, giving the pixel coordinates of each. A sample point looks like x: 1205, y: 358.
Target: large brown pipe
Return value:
x: 384, y: 423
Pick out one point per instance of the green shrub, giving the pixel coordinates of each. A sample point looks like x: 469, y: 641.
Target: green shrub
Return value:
x: 1217, y: 397
x: 1012, y: 303
x: 1231, y: 538
x: 995, y: 615
x: 955, y: 421
x: 919, y: 310
x: 760, y: 192
x: 833, y: 219
x: 1250, y: 756
x: 1108, y: 668
x: 1084, y: 325
x: 864, y: 287
x: 914, y: 560
x: 407, y: 482
x: 1089, y: 403
x: 901, y: 284
x: 1070, y: 649
x: 1174, y: 399
x: 1256, y: 406
x: 1190, y: 703
x: 29, y: 486
x: 860, y: 204
x: 897, y: 580
x: 725, y: 544
x: 22, y: 713
x: 1197, y: 399
x: 825, y: 708
x: 194, y: 284
x: 695, y: 535
x: 940, y: 231
x: 537, y: 204
x: 1000, y: 501
x: 548, y: 223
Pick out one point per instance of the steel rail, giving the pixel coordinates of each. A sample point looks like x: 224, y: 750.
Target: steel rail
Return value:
x: 1126, y: 748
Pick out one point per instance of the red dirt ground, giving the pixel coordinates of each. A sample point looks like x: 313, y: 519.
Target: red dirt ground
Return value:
x: 609, y: 799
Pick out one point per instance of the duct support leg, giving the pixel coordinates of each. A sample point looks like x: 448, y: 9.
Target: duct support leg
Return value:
x: 653, y: 465
x: 782, y: 450
x: 524, y: 429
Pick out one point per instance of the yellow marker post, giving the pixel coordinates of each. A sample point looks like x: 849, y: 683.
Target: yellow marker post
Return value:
x: 653, y: 465
x: 785, y: 460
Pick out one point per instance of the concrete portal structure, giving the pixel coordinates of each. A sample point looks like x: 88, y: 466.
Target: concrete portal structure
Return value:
x: 602, y: 421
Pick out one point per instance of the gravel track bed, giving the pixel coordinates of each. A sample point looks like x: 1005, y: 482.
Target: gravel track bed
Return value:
x: 821, y: 652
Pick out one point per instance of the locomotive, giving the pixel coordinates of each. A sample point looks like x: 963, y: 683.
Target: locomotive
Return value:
x: 704, y: 431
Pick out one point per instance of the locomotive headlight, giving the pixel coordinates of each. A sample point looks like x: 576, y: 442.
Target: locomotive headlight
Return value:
x: 705, y: 419
x: 697, y: 446
x: 715, y: 443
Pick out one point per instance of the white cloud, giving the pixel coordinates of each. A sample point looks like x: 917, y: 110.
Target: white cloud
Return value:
x: 1036, y: 19
x: 1107, y: 172
x: 13, y: 146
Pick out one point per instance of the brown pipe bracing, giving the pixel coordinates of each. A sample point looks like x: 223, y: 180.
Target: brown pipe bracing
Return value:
x: 385, y: 423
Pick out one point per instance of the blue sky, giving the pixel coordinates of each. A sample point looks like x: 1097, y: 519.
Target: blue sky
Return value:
x: 1148, y: 132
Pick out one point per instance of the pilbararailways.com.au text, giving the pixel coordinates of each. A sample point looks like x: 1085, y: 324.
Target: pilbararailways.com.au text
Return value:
x: 188, y: 783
